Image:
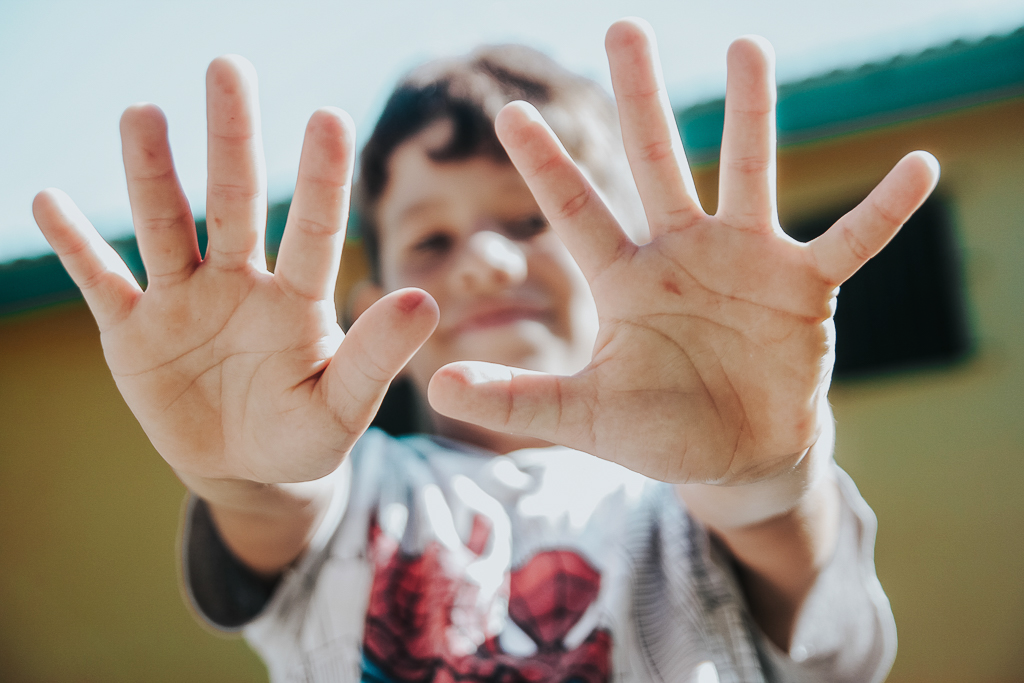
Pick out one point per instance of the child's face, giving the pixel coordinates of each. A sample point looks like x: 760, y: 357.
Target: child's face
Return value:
x: 470, y: 233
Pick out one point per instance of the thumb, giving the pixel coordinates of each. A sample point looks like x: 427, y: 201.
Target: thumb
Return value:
x: 376, y: 348
x: 503, y: 399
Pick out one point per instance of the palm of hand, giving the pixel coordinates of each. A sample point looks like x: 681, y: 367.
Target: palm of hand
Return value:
x: 714, y: 355
x: 224, y: 386
x: 716, y: 336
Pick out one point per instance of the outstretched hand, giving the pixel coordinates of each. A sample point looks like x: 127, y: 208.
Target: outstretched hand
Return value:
x: 715, y: 350
x: 234, y: 372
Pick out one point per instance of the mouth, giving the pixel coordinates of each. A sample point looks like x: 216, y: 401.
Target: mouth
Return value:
x: 500, y: 316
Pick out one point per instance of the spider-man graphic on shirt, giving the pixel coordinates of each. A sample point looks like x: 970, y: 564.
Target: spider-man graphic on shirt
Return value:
x: 426, y: 622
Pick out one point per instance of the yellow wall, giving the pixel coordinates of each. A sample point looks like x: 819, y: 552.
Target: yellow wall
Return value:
x: 88, y: 511
x: 940, y: 454
x: 88, y: 519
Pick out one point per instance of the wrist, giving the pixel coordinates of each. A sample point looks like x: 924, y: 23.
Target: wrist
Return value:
x: 268, y: 526
x: 725, y: 507
x: 778, y: 560
x: 242, y: 496
x: 780, y: 531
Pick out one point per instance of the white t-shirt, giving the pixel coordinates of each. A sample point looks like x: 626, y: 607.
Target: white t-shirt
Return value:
x: 442, y: 562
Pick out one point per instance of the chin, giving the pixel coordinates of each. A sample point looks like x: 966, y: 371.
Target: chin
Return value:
x: 526, y: 344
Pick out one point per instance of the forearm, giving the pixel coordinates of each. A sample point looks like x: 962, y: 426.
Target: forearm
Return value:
x: 780, y: 559
x: 782, y: 532
x: 266, y: 526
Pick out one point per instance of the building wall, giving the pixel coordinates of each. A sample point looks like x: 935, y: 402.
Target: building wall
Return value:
x: 939, y: 454
x: 89, y: 512
x: 88, y: 519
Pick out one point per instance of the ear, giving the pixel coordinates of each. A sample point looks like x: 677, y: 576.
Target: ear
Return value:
x: 362, y: 296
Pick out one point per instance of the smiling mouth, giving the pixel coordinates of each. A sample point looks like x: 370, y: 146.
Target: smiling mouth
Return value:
x: 500, y: 317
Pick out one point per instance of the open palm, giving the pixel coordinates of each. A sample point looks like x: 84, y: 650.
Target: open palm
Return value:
x: 234, y: 372
x: 715, y: 350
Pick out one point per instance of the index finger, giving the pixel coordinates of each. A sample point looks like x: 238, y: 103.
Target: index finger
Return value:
x: 572, y: 204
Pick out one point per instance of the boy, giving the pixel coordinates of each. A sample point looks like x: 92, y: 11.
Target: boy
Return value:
x: 702, y: 356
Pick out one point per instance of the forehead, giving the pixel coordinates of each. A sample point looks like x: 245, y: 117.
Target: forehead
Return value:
x: 419, y: 187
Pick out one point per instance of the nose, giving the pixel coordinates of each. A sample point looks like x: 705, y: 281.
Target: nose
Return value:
x: 489, y: 262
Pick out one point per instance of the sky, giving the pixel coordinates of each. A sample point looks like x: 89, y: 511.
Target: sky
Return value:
x: 69, y: 68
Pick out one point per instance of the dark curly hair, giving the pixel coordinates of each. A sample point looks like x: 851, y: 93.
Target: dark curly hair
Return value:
x: 469, y: 92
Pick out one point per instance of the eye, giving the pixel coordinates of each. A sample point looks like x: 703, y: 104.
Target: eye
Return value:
x: 526, y: 228
x: 434, y: 243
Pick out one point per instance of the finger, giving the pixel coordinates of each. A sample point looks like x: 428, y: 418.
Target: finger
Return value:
x: 236, y: 195
x: 512, y: 400
x: 164, y: 227
x: 567, y: 198
x: 649, y: 131
x: 310, y: 253
x: 747, y: 174
x: 108, y: 286
x: 863, y: 232
x: 376, y: 348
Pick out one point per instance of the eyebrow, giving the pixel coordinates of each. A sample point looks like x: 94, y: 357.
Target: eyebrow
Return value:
x: 416, y: 208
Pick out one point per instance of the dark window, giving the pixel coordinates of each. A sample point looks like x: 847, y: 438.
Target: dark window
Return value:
x: 905, y: 308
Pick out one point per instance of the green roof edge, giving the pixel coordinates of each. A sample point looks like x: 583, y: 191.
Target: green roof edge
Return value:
x: 937, y: 80
x: 26, y: 284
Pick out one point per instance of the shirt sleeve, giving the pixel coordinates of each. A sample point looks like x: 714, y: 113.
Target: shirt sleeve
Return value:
x: 220, y: 588
x: 691, y: 614
x: 845, y: 631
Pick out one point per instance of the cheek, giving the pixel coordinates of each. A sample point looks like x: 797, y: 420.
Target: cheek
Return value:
x: 586, y: 322
x: 565, y: 281
x: 396, y: 275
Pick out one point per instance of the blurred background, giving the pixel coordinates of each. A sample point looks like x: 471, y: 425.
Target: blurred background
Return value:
x: 929, y: 391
